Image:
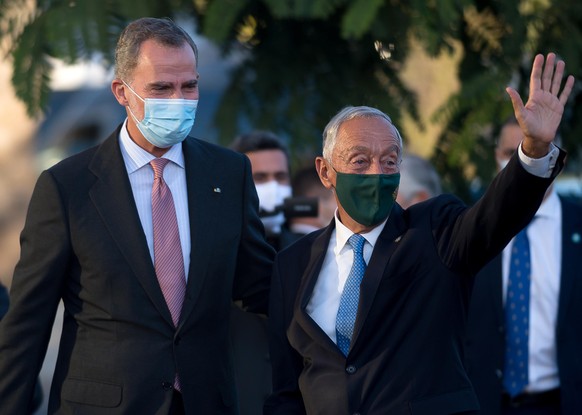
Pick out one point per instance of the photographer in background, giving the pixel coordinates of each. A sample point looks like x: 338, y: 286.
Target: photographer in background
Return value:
x: 270, y: 168
x: 269, y: 159
x: 306, y: 184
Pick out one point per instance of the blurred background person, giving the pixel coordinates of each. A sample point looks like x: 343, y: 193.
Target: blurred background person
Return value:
x: 419, y: 181
x: 269, y: 158
x: 306, y: 184
x: 270, y: 167
x: 551, y: 311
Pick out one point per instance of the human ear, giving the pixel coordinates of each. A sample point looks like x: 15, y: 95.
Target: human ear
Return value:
x: 324, y: 172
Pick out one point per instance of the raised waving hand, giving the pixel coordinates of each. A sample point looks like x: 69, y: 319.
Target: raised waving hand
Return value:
x: 540, y: 117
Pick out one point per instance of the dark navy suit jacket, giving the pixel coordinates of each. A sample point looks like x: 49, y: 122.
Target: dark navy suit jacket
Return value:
x: 83, y: 243
x: 407, y: 353
x: 486, y: 327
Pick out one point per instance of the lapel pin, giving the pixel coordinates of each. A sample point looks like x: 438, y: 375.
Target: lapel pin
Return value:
x: 398, y: 239
x: 576, y: 237
x: 217, y: 190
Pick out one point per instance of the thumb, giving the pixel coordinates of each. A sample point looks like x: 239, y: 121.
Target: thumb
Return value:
x: 515, y: 101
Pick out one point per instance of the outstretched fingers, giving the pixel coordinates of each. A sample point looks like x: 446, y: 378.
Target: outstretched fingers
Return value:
x: 557, y: 80
x: 535, y: 80
x: 567, y: 89
x: 548, y: 73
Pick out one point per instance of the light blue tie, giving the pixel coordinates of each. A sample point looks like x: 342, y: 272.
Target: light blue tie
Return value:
x: 515, y: 376
x: 348, y: 307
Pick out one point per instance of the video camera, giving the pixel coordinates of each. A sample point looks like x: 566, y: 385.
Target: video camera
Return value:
x: 294, y: 207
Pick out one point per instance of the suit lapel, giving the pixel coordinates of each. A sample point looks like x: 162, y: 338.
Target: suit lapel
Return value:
x: 385, y: 246
x: 571, y: 249
x: 113, y: 199
x: 199, y: 186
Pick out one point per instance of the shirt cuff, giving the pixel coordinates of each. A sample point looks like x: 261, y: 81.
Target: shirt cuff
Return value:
x: 541, y: 167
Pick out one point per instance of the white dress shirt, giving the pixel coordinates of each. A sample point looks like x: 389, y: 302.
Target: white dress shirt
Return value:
x: 141, y: 178
x: 545, y: 240
x: 324, y: 302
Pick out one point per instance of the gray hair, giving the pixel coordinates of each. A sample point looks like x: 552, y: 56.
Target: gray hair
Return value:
x: 418, y: 174
x: 163, y: 31
x: 346, y: 114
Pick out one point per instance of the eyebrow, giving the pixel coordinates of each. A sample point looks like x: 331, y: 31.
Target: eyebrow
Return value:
x: 165, y: 84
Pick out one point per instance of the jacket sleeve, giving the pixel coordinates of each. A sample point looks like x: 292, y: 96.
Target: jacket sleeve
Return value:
x: 255, y: 255
x: 35, y: 294
x: 286, y: 363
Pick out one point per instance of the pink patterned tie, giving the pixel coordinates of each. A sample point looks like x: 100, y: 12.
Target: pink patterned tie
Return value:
x: 168, y: 259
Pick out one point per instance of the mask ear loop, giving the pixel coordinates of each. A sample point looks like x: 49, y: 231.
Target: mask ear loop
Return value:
x: 132, y: 90
x: 129, y: 107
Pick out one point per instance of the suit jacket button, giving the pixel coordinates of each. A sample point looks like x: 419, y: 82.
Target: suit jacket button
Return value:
x: 167, y: 386
x: 499, y: 373
x: 177, y: 340
x: 351, y: 369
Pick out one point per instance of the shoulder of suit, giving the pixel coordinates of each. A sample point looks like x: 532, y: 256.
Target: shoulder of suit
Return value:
x: 212, y: 149
x: 437, y: 205
x: 302, y: 244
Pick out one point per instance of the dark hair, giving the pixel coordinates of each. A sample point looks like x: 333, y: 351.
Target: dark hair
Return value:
x: 163, y: 31
x: 305, y: 180
x: 259, y: 140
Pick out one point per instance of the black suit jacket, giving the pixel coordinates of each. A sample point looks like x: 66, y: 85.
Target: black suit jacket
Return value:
x: 4, y: 301
x: 486, y: 324
x: 407, y: 353
x: 119, y: 351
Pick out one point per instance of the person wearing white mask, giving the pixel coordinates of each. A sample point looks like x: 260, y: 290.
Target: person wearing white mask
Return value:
x: 552, y: 375
x: 271, y: 173
x: 269, y: 159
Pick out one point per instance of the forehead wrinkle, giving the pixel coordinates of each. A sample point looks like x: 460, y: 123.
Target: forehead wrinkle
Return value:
x: 365, y: 149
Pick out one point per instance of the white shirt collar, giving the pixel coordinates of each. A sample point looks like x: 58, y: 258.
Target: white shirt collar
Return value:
x: 137, y: 157
x: 550, y: 207
x: 343, y: 234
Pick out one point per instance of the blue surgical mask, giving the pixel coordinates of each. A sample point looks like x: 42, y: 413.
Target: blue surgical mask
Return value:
x: 166, y: 121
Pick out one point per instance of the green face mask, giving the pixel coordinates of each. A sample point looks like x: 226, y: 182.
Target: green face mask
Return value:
x: 367, y: 198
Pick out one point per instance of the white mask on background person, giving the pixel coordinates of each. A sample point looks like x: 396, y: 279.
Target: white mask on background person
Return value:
x: 502, y: 163
x: 271, y: 195
x: 166, y: 121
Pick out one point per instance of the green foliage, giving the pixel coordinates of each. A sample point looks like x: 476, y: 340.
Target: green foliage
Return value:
x: 359, y: 17
x: 305, y: 59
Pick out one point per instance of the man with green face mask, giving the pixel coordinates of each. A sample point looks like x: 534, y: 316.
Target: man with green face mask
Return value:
x: 367, y: 315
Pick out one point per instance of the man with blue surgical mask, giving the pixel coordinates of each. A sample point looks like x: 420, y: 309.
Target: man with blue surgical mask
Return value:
x: 367, y: 315
x: 147, y: 239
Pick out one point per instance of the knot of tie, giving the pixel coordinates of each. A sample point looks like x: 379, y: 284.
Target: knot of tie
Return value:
x: 357, y: 241
x: 158, y: 165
